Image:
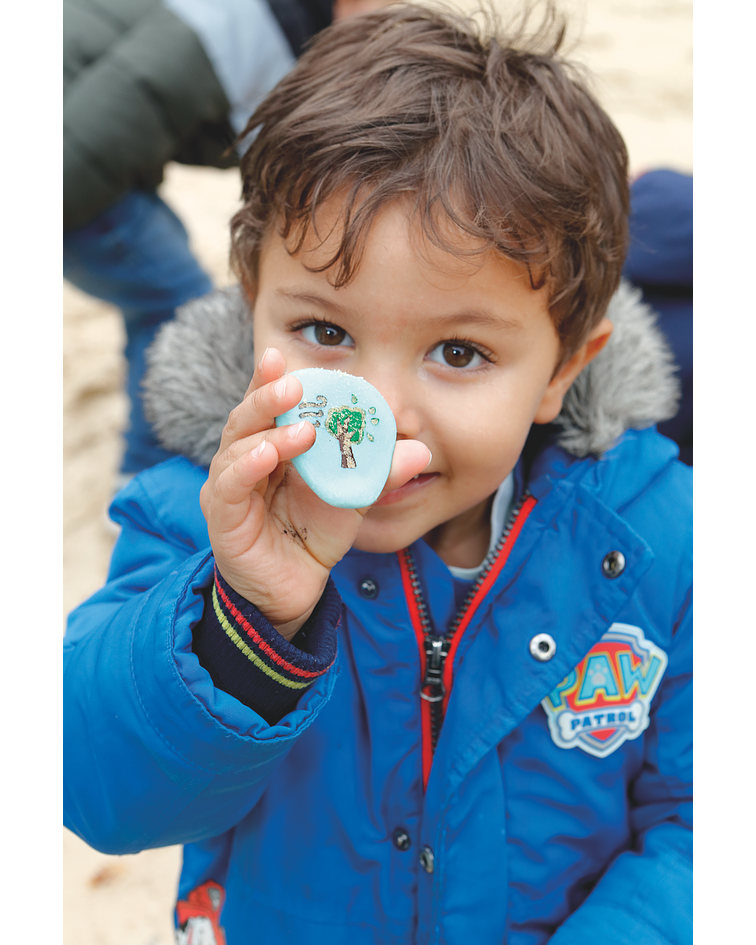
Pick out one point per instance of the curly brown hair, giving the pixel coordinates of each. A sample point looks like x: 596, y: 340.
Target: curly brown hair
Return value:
x: 488, y: 130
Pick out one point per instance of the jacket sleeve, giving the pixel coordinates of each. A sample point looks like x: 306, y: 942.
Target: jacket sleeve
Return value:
x: 154, y: 753
x: 646, y: 895
x: 137, y: 93
x: 247, y: 657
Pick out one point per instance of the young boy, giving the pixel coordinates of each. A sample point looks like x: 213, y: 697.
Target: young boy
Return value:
x: 462, y: 714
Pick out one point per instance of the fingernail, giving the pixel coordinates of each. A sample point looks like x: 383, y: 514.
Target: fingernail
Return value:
x: 280, y: 386
x: 262, y: 359
x: 430, y: 460
x: 259, y: 450
x: 294, y: 431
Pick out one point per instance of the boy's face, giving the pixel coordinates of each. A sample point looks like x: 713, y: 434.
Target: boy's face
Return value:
x: 463, y: 352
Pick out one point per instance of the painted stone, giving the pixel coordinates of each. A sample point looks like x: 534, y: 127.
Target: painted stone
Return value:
x: 349, y: 463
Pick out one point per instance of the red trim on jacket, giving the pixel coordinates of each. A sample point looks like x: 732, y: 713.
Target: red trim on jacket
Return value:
x: 487, y: 584
x: 472, y: 607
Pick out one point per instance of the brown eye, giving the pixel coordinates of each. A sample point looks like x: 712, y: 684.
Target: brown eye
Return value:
x: 329, y: 334
x: 458, y: 355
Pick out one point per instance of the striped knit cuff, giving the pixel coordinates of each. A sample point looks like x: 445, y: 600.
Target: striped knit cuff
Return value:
x: 248, y: 658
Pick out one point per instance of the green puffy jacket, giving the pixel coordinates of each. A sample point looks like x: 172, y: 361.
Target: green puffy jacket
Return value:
x: 140, y: 87
x: 139, y: 91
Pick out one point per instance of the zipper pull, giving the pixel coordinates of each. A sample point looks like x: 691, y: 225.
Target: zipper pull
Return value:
x: 436, y: 649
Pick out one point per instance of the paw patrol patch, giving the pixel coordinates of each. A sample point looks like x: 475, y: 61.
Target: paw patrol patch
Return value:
x: 606, y: 699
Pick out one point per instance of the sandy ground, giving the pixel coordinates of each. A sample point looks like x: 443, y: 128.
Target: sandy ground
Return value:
x: 641, y: 54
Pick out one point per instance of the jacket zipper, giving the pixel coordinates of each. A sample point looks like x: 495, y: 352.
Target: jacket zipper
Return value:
x: 437, y: 650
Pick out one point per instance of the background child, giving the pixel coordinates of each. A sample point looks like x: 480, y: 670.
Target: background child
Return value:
x: 328, y: 819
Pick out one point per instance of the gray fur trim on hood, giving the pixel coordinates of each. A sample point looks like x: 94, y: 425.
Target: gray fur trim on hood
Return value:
x: 201, y: 363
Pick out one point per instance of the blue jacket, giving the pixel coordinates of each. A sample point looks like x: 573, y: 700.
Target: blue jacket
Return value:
x: 557, y: 806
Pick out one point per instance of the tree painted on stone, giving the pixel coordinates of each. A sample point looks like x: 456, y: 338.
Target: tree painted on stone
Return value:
x: 347, y: 423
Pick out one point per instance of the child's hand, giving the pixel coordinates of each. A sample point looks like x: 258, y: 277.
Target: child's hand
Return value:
x: 274, y: 540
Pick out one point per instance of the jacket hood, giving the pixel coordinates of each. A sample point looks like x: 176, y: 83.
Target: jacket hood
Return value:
x: 201, y: 362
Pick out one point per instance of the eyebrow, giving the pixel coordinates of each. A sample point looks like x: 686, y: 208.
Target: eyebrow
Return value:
x: 480, y: 317
x: 310, y: 298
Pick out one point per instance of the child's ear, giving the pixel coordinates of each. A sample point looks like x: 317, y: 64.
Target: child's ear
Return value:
x: 561, y: 382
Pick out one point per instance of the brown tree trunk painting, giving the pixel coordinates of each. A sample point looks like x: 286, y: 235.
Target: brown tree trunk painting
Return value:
x: 347, y: 424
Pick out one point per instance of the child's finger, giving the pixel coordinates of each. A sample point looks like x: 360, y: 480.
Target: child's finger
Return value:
x: 231, y: 494
x: 270, y: 367
x: 290, y: 441
x: 251, y: 462
x: 260, y: 407
x: 410, y: 458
